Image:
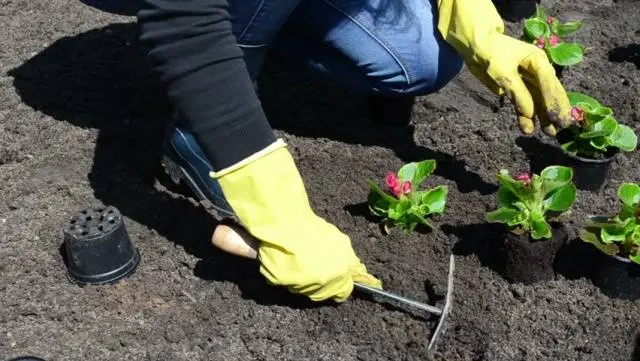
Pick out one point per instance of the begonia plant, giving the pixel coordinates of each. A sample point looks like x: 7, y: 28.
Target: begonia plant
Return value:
x: 595, y: 130
x: 619, y: 234
x: 548, y: 33
x: 404, y: 204
x: 528, y: 202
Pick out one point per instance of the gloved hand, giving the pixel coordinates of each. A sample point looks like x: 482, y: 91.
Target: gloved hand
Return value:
x: 298, y: 249
x: 505, y: 64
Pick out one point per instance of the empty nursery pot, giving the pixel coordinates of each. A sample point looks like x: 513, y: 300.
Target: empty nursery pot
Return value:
x: 617, y: 277
x: 530, y: 261
x: 98, y: 247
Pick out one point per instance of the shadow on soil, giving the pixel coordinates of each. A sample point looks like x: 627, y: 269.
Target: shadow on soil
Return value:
x: 629, y: 53
x: 481, y: 240
x: 636, y: 351
x: 99, y: 80
x: 540, y: 154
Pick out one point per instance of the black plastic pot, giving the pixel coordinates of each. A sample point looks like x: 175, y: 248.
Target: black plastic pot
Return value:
x: 617, y: 277
x: 559, y: 70
x: 26, y: 358
x: 515, y: 10
x: 588, y: 173
x: 530, y: 261
x: 98, y: 248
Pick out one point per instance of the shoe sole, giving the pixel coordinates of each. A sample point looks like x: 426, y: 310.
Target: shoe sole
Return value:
x: 179, y: 175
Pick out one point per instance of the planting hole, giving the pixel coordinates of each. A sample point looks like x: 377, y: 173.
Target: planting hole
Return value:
x: 112, y: 221
x: 100, y: 228
x: 85, y: 232
x: 73, y: 221
x: 88, y: 218
x: 84, y: 211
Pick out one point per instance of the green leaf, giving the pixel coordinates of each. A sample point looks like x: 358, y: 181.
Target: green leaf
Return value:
x: 379, y: 201
x: 540, y: 13
x: 416, y: 172
x: 635, y: 258
x: 612, y: 233
x: 400, y: 208
x: 624, y: 138
x: 504, y: 215
x: 568, y: 28
x: 506, y: 197
x: 554, y: 177
x: 635, y: 235
x: 596, y: 114
x: 629, y: 194
x: 590, y: 235
x: 539, y: 227
x: 602, y: 128
x: 436, y: 199
x: 535, y: 28
x: 521, y: 191
x: 575, y: 98
x: 566, y: 54
x: 600, y: 143
x: 414, y: 219
x: 561, y: 200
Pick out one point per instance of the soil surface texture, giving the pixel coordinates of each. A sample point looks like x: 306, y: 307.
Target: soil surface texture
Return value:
x: 81, y: 124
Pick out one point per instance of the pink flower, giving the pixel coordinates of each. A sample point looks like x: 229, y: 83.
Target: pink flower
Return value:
x: 550, y: 20
x: 525, y: 178
x: 577, y: 114
x: 554, y: 40
x: 540, y: 42
x: 406, y: 187
x: 392, y: 180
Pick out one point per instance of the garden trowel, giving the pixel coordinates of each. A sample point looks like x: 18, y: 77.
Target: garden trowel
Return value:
x: 237, y: 241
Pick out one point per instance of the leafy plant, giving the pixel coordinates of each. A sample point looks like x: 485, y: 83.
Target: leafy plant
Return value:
x: 527, y: 202
x: 404, y: 205
x: 595, y: 129
x: 620, y: 234
x: 547, y: 32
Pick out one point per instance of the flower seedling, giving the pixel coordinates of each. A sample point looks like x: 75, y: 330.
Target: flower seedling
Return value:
x: 618, y: 235
x: 404, y: 204
x: 595, y: 130
x: 527, y: 202
x: 547, y: 33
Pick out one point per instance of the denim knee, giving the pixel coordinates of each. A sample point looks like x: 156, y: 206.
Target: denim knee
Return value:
x: 422, y: 70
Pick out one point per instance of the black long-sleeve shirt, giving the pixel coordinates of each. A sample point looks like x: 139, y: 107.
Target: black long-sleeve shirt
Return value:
x: 193, y: 49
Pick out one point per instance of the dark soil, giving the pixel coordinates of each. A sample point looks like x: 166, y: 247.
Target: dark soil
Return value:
x: 81, y: 124
x: 530, y: 261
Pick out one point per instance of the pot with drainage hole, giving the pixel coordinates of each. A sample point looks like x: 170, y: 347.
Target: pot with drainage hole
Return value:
x: 98, y: 247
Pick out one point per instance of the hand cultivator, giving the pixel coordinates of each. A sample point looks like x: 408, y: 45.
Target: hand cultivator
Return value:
x: 240, y: 243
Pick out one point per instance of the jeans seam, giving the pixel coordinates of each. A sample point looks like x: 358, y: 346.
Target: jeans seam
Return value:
x: 377, y: 40
x: 249, y: 24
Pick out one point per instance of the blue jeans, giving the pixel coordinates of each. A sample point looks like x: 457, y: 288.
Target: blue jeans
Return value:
x: 384, y: 47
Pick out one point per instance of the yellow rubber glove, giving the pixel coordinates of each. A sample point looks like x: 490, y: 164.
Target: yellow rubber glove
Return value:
x: 298, y: 249
x: 504, y: 64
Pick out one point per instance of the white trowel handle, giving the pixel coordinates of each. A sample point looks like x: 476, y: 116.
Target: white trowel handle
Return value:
x: 235, y: 240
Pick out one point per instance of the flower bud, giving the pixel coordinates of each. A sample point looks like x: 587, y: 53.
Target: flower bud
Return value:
x: 392, y: 180
x: 540, y: 42
x: 406, y: 187
x: 554, y: 40
x: 577, y: 114
x: 525, y: 178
